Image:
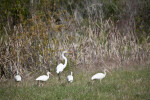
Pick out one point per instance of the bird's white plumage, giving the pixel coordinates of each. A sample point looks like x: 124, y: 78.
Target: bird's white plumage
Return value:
x: 17, y: 78
x: 61, y: 66
x: 43, y: 77
x: 99, y: 76
x: 70, y: 78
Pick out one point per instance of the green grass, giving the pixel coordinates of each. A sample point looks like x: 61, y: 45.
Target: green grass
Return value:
x: 124, y: 84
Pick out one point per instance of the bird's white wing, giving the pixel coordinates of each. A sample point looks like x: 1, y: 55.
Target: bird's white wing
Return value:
x: 59, y: 68
x: 98, y: 76
x: 18, y: 78
x: 42, y: 78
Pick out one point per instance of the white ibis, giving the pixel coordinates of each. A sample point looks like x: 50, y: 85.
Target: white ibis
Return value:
x: 43, y: 77
x: 70, y: 78
x: 99, y: 76
x: 61, y: 66
x: 17, y: 77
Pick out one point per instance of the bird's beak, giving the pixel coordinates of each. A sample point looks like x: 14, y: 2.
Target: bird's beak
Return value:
x: 69, y: 52
x: 51, y: 74
x: 109, y: 72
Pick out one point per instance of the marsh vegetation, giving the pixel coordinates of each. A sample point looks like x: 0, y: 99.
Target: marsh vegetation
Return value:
x: 99, y: 33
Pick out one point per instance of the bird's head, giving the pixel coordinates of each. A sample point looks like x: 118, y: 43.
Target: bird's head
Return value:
x: 66, y: 52
x: 16, y: 73
x: 106, y: 70
x: 50, y: 73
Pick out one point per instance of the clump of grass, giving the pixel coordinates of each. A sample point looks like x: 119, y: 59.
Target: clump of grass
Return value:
x: 124, y: 83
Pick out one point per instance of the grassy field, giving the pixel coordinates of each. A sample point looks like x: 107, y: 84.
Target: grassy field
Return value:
x: 126, y: 83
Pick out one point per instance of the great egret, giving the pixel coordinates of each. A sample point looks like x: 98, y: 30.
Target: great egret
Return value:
x: 61, y: 66
x: 70, y: 78
x: 43, y: 77
x: 99, y: 76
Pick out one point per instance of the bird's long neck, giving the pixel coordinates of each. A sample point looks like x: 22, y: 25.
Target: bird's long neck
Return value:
x: 17, y: 72
x: 65, y: 64
x: 71, y: 73
x: 48, y: 75
x: 104, y: 72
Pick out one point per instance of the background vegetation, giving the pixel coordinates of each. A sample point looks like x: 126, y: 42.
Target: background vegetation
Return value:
x: 100, y: 33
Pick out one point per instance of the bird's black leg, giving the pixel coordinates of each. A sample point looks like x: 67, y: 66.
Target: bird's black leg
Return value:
x: 59, y: 76
x: 42, y: 84
x: 92, y: 82
x: 17, y: 84
x: 38, y: 83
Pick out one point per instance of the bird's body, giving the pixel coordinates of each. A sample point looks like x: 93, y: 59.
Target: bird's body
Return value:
x: 43, y: 78
x: 61, y: 66
x: 99, y: 76
x: 70, y: 78
x: 17, y: 78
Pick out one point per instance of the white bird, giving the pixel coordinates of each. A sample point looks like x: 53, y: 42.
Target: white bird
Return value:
x: 99, y: 76
x: 44, y: 77
x: 17, y: 77
x: 61, y: 66
x: 70, y: 78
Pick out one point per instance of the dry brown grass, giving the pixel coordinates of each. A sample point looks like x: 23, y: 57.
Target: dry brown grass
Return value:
x: 36, y: 46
